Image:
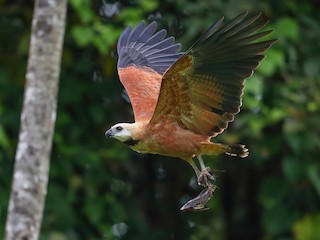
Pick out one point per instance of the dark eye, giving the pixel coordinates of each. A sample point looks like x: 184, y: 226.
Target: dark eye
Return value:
x: 119, y: 128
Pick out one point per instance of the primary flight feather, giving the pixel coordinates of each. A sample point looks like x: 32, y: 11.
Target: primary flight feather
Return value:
x: 182, y: 100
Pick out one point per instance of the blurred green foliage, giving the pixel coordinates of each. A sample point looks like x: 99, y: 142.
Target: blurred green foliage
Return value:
x: 100, y: 189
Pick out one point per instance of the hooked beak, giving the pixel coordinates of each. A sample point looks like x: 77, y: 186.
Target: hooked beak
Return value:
x: 108, y: 133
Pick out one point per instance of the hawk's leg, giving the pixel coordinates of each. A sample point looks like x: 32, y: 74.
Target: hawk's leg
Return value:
x: 195, y: 168
x: 205, y: 178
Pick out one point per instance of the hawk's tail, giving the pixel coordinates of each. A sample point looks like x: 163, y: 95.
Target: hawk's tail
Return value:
x: 218, y: 148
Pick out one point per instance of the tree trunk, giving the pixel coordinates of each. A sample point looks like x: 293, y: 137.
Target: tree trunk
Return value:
x: 38, y: 116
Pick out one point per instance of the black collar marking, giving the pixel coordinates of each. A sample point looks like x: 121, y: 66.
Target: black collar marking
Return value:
x: 131, y: 142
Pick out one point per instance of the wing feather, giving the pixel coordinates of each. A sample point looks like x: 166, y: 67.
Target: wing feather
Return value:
x: 140, y: 45
x: 203, y: 90
x: 144, y: 55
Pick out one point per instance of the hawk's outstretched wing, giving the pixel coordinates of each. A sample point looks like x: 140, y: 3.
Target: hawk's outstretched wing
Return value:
x: 202, y: 91
x: 143, y: 58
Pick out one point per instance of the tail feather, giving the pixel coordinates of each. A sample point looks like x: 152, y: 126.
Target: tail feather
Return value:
x: 238, y: 150
x: 218, y: 148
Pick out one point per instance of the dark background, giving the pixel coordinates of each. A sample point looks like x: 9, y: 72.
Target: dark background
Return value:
x: 100, y: 189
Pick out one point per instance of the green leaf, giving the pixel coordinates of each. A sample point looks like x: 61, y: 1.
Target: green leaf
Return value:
x: 82, y: 35
x: 148, y: 5
x: 131, y: 16
x: 83, y: 9
x: 311, y: 67
x: 254, y: 85
x: 313, y: 172
x: 277, y: 216
x: 106, y: 37
x: 274, y: 59
x: 307, y: 228
x: 271, y: 195
x: 292, y: 169
x: 279, y: 219
x: 288, y: 28
x: 4, y: 141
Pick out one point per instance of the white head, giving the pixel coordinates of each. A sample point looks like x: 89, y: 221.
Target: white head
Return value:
x: 124, y: 132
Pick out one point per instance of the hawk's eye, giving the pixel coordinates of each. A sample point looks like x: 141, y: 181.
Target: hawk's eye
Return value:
x: 119, y: 128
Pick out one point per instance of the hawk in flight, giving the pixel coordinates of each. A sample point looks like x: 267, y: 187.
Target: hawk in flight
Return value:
x: 181, y: 100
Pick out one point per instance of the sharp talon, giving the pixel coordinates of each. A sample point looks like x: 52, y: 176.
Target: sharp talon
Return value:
x: 206, y: 177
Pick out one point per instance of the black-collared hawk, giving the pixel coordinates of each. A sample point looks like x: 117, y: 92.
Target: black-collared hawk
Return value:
x: 181, y: 100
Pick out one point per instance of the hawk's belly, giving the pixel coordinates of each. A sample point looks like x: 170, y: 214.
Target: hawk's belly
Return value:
x: 179, y: 143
